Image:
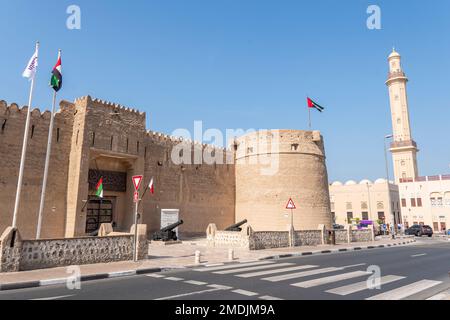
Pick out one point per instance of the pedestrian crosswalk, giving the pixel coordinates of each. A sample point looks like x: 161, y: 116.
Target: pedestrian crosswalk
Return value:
x: 332, y: 280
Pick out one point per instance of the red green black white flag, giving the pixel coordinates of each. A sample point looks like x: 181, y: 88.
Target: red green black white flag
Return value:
x: 56, y: 80
x: 99, y: 188
x: 313, y: 105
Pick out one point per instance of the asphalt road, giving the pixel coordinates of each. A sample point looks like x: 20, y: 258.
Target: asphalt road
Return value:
x: 417, y: 271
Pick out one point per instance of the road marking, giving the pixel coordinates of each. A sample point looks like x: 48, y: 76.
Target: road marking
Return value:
x: 245, y: 293
x: 121, y: 273
x: 197, y: 283
x: 361, y: 286
x: 418, y: 255
x: 234, y: 265
x: 439, y: 296
x: 269, y: 298
x: 266, y: 272
x: 214, y: 264
x: 50, y: 282
x: 331, y: 279
x: 188, y: 294
x: 253, y: 268
x: 301, y: 274
x: 353, y: 266
x: 219, y: 286
x: 54, y: 298
x: 406, y: 291
x: 174, y: 279
x: 154, y: 275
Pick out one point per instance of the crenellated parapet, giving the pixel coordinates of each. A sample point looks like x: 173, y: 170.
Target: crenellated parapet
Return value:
x: 15, y: 111
x: 171, y: 141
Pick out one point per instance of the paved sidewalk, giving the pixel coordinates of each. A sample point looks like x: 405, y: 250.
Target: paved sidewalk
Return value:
x: 175, y: 256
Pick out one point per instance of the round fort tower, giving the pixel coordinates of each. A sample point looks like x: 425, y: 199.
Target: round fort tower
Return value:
x: 273, y: 166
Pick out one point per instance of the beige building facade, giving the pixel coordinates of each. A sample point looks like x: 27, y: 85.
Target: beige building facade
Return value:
x: 375, y: 201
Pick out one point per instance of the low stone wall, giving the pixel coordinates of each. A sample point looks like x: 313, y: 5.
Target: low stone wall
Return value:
x: 259, y: 240
x: 41, y: 254
x: 308, y: 238
x: 361, y: 235
x: 341, y: 236
x: 17, y: 254
x: 268, y: 240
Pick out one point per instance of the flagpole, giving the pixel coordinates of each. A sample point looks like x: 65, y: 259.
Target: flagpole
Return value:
x: 47, y: 161
x: 309, y: 114
x: 24, y: 148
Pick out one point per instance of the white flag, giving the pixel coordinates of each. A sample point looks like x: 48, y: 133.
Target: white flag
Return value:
x: 30, y: 70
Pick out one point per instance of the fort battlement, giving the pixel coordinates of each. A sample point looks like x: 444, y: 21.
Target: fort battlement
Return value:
x: 170, y: 141
x: 14, y: 110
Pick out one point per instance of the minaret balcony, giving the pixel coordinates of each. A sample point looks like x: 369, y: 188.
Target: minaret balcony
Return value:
x: 407, y: 144
x: 396, y: 75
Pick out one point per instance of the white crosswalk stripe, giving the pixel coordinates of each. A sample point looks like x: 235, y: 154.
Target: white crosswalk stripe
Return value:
x: 267, y: 272
x: 234, y: 265
x: 253, y: 268
x: 361, y: 286
x: 300, y: 274
x: 406, y: 291
x: 330, y: 279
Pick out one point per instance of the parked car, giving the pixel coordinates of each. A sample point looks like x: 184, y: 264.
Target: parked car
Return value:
x: 419, y: 231
x: 337, y: 226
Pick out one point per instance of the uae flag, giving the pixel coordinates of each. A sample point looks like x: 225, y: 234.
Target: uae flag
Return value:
x: 56, y: 80
x: 313, y: 105
x: 151, y: 186
x: 99, y: 188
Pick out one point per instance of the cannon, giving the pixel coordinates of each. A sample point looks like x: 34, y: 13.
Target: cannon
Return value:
x: 236, y: 227
x: 167, y: 233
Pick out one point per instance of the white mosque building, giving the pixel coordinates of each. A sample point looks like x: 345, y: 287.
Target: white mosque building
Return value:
x: 410, y: 199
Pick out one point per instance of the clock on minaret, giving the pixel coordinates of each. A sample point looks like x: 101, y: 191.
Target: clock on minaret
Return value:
x: 403, y: 148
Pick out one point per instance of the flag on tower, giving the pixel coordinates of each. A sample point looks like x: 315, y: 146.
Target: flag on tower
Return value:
x: 56, y: 80
x: 151, y: 186
x: 313, y: 105
x: 99, y: 188
x: 30, y: 70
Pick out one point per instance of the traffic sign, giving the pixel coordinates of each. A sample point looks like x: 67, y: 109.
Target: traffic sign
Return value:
x: 137, y: 182
x: 290, y: 204
x: 136, y: 196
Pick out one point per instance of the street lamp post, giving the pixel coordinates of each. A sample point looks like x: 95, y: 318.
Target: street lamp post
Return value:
x: 393, y: 224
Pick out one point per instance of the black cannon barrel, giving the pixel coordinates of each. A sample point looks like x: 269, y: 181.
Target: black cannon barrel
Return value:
x: 172, y: 226
x: 236, y: 225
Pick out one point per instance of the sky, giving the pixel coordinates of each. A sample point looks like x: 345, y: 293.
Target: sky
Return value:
x: 246, y: 64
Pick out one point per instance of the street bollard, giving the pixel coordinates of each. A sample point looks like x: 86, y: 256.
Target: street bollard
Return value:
x: 197, y: 257
x: 230, y: 254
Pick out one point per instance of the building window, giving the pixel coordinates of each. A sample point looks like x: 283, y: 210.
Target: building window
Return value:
x: 349, y: 206
x: 381, y: 216
x: 349, y: 217
x: 404, y: 203
x: 363, y: 205
x: 365, y: 215
x: 294, y: 147
x: 419, y: 202
x: 413, y: 202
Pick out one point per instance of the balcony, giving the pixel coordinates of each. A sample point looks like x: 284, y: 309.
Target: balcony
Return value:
x: 396, y: 74
x: 403, y: 144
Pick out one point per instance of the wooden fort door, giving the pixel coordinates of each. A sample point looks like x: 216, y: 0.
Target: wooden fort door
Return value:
x: 99, y: 211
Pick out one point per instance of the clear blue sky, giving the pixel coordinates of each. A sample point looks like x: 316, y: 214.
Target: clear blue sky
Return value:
x: 246, y: 64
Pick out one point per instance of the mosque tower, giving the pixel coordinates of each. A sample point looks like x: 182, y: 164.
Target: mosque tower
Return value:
x: 403, y: 148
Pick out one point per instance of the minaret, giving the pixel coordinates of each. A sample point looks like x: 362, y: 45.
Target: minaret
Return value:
x: 403, y: 148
